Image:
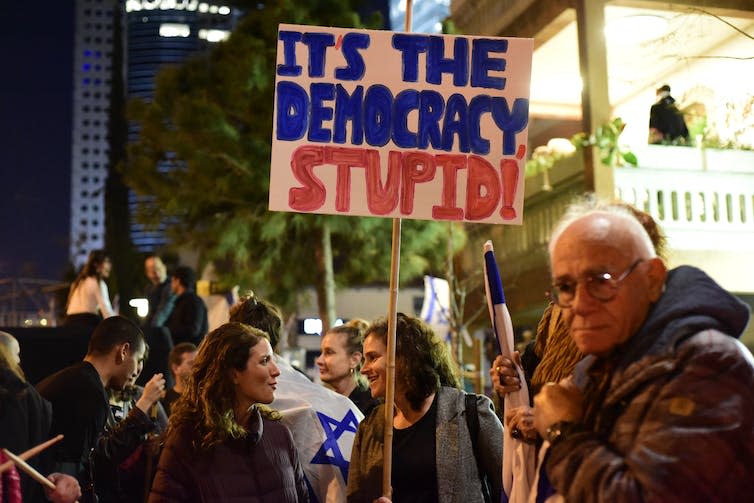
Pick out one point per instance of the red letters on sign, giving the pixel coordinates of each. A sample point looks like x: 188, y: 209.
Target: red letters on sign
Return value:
x: 485, y: 186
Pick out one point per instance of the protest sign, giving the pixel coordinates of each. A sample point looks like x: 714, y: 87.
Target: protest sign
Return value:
x: 401, y: 125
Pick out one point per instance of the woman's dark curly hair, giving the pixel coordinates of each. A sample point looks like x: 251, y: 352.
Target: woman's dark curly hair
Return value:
x: 207, y: 406
x: 422, y: 360
x: 260, y: 314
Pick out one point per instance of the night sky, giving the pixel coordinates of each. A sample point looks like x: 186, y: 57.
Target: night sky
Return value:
x: 36, y: 54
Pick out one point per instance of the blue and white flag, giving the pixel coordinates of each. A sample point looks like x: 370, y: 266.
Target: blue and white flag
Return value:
x: 519, y: 458
x: 436, y: 307
x: 323, y: 424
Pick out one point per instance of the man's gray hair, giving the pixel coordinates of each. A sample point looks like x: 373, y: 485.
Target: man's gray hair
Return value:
x: 591, y: 205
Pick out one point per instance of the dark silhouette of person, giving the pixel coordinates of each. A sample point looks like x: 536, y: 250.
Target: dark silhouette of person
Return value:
x: 188, y: 320
x: 666, y: 123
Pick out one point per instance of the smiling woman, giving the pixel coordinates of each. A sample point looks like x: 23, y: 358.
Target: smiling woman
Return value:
x: 432, y: 437
x: 221, y: 444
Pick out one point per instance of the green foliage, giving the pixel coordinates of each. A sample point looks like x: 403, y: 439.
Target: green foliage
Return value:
x: 203, y: 159
x: 606, y: 138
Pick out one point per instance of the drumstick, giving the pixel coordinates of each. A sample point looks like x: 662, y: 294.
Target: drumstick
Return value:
x: 32, y: 452
x: 30, y: 470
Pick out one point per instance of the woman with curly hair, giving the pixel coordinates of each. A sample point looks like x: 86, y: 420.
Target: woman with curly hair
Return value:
x: 340, y: 360
x: 222, y: 444
x: 435, y: 457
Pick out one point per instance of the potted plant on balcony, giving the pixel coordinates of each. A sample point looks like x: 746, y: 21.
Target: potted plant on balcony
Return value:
x: 605, y: 138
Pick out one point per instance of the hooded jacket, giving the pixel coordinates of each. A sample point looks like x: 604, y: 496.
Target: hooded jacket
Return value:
x: 674, y: 420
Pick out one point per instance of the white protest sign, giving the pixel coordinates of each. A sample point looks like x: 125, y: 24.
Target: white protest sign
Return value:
x: 401, y: 125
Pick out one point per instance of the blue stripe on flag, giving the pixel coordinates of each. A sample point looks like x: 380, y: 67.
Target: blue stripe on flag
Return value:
x: 493, y: 279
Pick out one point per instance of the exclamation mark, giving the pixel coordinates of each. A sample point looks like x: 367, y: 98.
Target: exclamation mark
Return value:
x: 510, y: 170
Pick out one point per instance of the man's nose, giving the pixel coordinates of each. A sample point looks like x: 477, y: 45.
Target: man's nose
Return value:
x: 583, y: 301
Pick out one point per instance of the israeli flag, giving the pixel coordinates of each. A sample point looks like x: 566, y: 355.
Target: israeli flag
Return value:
x: 323, y: 424
x: 436, y: 307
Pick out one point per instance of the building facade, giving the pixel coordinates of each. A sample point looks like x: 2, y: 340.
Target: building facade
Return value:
x: 155, y: 33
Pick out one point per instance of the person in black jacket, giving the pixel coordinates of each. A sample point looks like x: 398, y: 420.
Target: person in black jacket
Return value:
x: 80, y: 408
x: 188, y: 320
x: 666, y: 123
x: 25, y: 419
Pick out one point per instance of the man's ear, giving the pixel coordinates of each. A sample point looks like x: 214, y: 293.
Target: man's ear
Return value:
x: 123, y: 352
x: 656, y: 275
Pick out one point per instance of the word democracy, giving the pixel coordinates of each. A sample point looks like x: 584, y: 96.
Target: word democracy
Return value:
x: 376, y: 116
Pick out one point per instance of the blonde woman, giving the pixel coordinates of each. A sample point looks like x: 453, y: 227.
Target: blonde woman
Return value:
x: 340, y: 361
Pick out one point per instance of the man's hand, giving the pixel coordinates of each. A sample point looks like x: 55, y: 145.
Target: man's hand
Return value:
x: 153, y: 391
x: 557, y: 402
x: 504, y: 375
x: 67, y: 489
x: 520, y: 421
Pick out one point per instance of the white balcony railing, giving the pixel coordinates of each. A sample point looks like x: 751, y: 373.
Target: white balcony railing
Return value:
x: 704, y: 201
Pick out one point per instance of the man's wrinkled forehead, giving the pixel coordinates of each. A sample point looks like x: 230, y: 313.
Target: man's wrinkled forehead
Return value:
x: 604, y: 234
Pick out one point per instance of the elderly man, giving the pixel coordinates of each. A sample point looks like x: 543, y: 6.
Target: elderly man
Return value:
x: 158, y: 292
x: 661, y: 409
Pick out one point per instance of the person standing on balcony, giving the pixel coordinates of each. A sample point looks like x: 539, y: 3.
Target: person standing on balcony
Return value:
x: 666, y: 123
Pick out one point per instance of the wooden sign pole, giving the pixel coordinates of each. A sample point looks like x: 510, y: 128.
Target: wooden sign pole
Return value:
x: 395, y: 262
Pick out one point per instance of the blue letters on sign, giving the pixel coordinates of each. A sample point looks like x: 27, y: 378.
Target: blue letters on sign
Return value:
x: 482, y: 63
x: 289, y: 68
x: 293, y: 110
x: 377, y: 115
x: 318, y: 44
x: 437, y: 63
x: 510, y: 121
x: 355, y: 69
x: 405, y: 101
x: 410, y: 47
x: 348, y: 108
x: 479, y: 104
x: 321, y: 92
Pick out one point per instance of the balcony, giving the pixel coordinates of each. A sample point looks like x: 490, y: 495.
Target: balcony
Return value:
x: 702, y: 198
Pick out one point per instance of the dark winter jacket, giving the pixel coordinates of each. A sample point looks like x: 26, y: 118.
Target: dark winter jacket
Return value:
x: 674, y: 420
x: 93, y: 443
x: 25, y: 419
x: 188, y: 320
x: 263, y: 467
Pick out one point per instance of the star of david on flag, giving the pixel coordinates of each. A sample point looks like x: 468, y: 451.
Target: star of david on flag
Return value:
x: 333, y: 431
x: 323, y: 442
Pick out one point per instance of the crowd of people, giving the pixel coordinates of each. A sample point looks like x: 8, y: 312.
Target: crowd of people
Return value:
x: 640, y: 392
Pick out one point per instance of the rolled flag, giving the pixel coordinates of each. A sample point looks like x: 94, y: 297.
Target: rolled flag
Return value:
x: 519, y: 458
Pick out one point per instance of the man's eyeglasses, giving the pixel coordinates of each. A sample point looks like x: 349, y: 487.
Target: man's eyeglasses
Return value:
x: 602, y: 286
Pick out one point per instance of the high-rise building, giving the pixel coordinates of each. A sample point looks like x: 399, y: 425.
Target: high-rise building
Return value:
x: 92, y: 60
x: 155, y: 33
x: 165, y: 32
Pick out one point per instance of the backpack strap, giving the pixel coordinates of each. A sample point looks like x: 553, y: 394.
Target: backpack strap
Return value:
x: 472, y: 422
